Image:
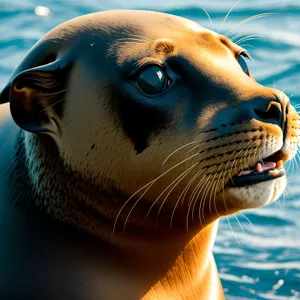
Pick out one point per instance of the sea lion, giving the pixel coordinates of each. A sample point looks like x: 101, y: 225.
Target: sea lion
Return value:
x: 127, y: 136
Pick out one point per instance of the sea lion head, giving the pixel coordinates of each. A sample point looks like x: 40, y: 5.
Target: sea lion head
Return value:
x: 160, y: 109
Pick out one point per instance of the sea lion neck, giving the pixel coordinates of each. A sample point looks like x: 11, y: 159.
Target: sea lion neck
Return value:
x: 192, y: 271
x: 170, y: 262
x: 70, y: 197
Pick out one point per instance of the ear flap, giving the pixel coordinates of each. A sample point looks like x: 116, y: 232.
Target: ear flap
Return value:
x: 36, y: 96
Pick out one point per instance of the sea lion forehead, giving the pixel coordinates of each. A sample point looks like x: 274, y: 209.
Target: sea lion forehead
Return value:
x: 112, y: 33
x: 122, y: 23
x: 127, y: 34
x: 155, y: 25
x: 146, y: 20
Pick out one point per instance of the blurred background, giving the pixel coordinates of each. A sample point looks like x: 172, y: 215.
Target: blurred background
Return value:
x: 258, y: 252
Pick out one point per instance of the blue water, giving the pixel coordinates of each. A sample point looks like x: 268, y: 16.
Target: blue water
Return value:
x: 259, y: 261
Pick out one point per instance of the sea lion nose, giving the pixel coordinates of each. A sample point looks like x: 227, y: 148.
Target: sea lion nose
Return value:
x: 272, y: 106
x: 272, y: 113
x: 275, y: 111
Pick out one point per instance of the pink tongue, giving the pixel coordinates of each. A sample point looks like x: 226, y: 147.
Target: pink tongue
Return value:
x: 259, y: 167
x: 268, y: 165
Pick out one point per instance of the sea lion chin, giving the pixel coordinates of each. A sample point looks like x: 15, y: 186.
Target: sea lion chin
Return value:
x: 141, y: 129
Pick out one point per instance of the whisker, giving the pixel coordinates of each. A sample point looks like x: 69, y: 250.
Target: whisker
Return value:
x: 193, y: 194
x: 289, y: 166
x: 232, y: 231
x: 197, y: 146
x: 205, y: 184
x: 245, y: 158
x: 291, y: 191
x: 246, y: 45
x: 203, y: 198
x: 157, y: 198
x: 223, y: 190
x: 248, y: 220
x: 147, y: 186
x: 239, y: 223
x: 184, y: 192
x: 209, y: 202
x: 297, y: 153
x: 211, y: 23
x: 248, y: 38
x: 214, y: 192
x: 176, y: 204
x: 52, y: 104
x: 226, y: 17
x: 191, y: 143
x: 179, y: 179
x: 196, y: 195
x: 224, y: 200
x: 243, y: 33
x: 293, y: 167
x: 50, y: 95
x: 283, y: 195
x: 241, y: 39
x: 241, y: 143
x: 199, y: 187
x: 258, y: 16
x: 235, y: 170
x: 201, y: 209
x: 234, y: 165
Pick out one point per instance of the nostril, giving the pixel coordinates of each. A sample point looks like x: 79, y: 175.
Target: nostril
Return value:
x: 287, y: 109
x: 273, y: 112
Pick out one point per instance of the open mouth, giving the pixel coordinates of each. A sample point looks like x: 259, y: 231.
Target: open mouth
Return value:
x: 267, y: 169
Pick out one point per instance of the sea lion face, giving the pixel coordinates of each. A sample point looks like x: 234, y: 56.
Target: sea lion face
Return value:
x: 168, y: 111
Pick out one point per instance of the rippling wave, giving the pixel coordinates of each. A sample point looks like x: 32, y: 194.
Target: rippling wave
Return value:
x: 257, y: 260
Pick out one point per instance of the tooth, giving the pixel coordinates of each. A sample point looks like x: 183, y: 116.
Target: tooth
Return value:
x: 258, y: 167
x: 279, y: 164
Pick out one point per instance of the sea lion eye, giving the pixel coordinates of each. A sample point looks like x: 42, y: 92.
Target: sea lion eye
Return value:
x: 152, y: 80
x: 243, y: 63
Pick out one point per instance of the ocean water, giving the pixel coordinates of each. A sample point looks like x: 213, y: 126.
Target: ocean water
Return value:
x: 258, y: 252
